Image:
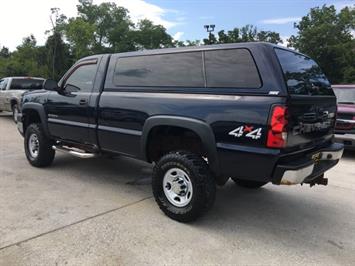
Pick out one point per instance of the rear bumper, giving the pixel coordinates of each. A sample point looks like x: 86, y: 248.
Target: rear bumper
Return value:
x: 270, y: 165
x: 306, y: 169
x: 347, y: 139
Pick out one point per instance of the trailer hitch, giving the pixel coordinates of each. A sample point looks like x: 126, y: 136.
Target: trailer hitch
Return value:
x: 320, y: 180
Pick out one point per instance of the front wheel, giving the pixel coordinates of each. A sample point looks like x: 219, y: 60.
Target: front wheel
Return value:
x: 38, y: 147
x: 183, y: 186
x: 248, y: 183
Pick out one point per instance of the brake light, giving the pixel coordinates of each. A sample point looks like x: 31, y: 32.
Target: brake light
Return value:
x: 277, y: 134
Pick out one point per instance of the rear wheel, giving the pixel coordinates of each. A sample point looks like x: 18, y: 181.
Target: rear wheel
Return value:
x: 15, y: 112
x: 183, y: 186
x: 248, y: 183
x: 38, y: 147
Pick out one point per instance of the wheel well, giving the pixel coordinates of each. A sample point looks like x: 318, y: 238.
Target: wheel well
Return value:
x: 13, y: 102
x: 164, y: 139
x: 31, y: 116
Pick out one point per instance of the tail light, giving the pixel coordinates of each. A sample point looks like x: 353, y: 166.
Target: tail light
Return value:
x: 277, y: 134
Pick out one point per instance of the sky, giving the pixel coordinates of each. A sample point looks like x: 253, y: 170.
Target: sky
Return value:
x: 184, y: 19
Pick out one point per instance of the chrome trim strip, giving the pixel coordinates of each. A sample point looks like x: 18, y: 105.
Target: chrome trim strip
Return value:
x: 346, y: 121
x: 93, y: 126
x: 70, y: 123
x: 345, y: 136
x: 172, y: 95
x: 121, y: 130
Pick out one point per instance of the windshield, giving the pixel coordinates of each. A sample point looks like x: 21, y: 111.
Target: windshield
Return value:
x: 346, y: 96
x: 303, y: 76
x: 26, y: 84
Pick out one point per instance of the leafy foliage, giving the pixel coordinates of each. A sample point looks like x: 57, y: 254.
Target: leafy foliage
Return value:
x: 248, y: 33
x: 327, y: 37
x: 28, y: 59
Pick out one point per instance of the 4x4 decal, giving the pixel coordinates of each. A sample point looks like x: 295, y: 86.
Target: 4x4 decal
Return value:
x: 246, y: 131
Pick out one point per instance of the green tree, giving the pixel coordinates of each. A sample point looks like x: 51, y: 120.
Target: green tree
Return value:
x: 79, y: 34
x: 104, y: 28
x: 211, y: 39
x: 150, y: 36
x: 58, y: 55
x: 247, y: 33
x: 193, y: 43
x: 229, y: 37
x: 57, y: 51
x: 326, y: 36
x: 4, y: 52
x: 269, y: 36
x: 27, y: 60
x: 111, y: 26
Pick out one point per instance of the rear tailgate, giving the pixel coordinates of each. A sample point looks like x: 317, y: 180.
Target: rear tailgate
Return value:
x: 311, y: 120
x: 311, y: 102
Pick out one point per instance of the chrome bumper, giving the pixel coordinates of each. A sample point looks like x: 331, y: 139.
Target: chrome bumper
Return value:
x: 347, y: 139
x: 298, y: 176
x: 292, y: 177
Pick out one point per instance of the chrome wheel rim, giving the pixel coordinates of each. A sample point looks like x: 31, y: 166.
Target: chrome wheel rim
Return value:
x: 177, y: 187
x: 33, y: 145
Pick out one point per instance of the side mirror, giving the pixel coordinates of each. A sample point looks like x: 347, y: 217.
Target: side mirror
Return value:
x: 51, y: 85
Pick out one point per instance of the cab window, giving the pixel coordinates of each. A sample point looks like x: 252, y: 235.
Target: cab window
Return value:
x: 82, y: 79
x: 3, y: 84
x: 233, y: 68
x: 162, y: 70
x: 302, y: 75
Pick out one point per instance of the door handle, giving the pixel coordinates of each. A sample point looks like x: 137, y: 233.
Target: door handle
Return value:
x: 83, y: 102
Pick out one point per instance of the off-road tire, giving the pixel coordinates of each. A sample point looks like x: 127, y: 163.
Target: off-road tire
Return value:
x: 248, y: 183
x: 46, y: 153
x: 203, y: 184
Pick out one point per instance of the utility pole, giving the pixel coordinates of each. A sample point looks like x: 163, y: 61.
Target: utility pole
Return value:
x: 54, y: 29
x: 209, y: 29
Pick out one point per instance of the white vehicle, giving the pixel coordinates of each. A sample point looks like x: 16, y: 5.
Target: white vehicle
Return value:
x: 12, y: 89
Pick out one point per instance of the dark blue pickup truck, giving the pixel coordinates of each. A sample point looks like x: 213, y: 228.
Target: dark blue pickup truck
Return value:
x: 253, y: 112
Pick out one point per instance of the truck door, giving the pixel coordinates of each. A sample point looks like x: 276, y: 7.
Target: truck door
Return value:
x: 68, y: 111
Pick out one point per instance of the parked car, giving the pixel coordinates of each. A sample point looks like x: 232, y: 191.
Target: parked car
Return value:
x: 255, y: 112
x: 345, y: 126
x: 12, y: 89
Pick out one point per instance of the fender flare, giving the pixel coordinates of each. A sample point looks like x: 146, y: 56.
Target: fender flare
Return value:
x: 202, y: 129
x: 38, y: 108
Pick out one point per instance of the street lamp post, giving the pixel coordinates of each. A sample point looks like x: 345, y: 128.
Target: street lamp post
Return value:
x: 209, y: 29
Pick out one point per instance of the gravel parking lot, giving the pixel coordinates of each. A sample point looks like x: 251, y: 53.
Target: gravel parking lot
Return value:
x: 101, y: 212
